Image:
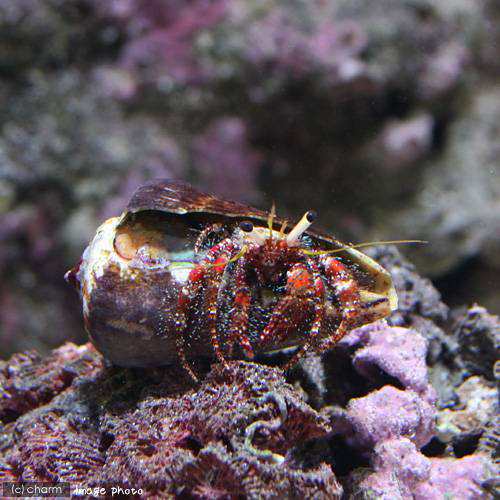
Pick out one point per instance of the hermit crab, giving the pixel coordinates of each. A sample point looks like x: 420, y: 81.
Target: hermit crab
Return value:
x: 184, y: 274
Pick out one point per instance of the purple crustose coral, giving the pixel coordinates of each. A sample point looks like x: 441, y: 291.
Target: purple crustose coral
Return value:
x: 392, y: 424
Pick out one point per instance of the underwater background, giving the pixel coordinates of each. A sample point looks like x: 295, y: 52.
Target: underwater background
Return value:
x: 382, y: 116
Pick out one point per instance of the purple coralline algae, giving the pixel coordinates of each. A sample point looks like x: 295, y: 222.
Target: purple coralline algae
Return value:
x: 402, y: 472
x: 398, y: 467
x: 407, y: 411
x: 463, y: 478
x: 398, y: 352
x: 164, y: 37
x: 172, y: 44
x: 390, y: 425
x: 386, y: 413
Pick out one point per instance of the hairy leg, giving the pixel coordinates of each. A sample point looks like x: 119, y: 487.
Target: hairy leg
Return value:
x: 346, y: 290
x: 316, y: 328
x: 203, y: 281
x: 241, y: 307
x: 304, y: 285
x: 210, y: 308
x: 187, y: 296
x: 330, y: 341
x: 340, y: 279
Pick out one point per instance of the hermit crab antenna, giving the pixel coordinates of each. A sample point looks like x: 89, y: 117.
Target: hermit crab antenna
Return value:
x: 282, y: 228
x: 270, y: 219
x: 361, y: 245
x: 301, y: 227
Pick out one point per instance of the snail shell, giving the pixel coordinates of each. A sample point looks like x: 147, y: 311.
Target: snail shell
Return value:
x: 130, y: 276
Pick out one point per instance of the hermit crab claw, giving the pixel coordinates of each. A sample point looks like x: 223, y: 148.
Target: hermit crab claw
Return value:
x: 381, y: 299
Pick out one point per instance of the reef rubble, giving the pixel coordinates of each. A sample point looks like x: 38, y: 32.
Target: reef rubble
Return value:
x: 362, y: 421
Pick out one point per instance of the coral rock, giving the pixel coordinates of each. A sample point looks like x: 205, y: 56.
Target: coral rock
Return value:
x: 234, y: 435
x: 456, y: 479
x: 478, y: 334
x: 477, y: 407
x: 399, y: 352
x: 401, y: 472
x: 398, y: 468
x: 387, y: 413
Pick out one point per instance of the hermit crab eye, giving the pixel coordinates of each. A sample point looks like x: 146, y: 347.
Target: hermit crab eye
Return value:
x: 293, y: 237
x: 311, y: 216
x: 246, y: 226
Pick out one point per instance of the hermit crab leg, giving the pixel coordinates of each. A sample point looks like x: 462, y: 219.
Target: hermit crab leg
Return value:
x: 301, y: 287
x: 239, y: 320
x: 327, y: 343
x: 344, y: 285
x: 186, y: 296
x: 280, y: 319
x: 347, y: 292
x: 319, y: 316
x: 206, y: 275
x: 214, y: 279
x: 216, y: 261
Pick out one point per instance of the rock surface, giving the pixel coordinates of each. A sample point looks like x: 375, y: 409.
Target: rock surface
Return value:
x: 68, y: 418
x: 363, y: 419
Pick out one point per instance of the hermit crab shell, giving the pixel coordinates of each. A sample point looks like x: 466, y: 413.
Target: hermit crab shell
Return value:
x: 131, y: 274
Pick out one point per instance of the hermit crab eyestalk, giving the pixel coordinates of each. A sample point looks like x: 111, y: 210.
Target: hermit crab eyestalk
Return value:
x: 246, y: 226
x: 302, y: 226
x: 311, y: 216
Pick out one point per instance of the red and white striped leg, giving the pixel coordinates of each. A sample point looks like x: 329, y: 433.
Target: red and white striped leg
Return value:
x: 203, y: 279
x: 314, y: 334
x: 304, y: 289
x: 241, y: 307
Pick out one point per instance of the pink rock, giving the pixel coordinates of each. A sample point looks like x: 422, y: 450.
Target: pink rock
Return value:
x: 451, y: 478
x: 389, y: 413
x: 402, y: 472
x: 399, y: 467
x: 399, y: 352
